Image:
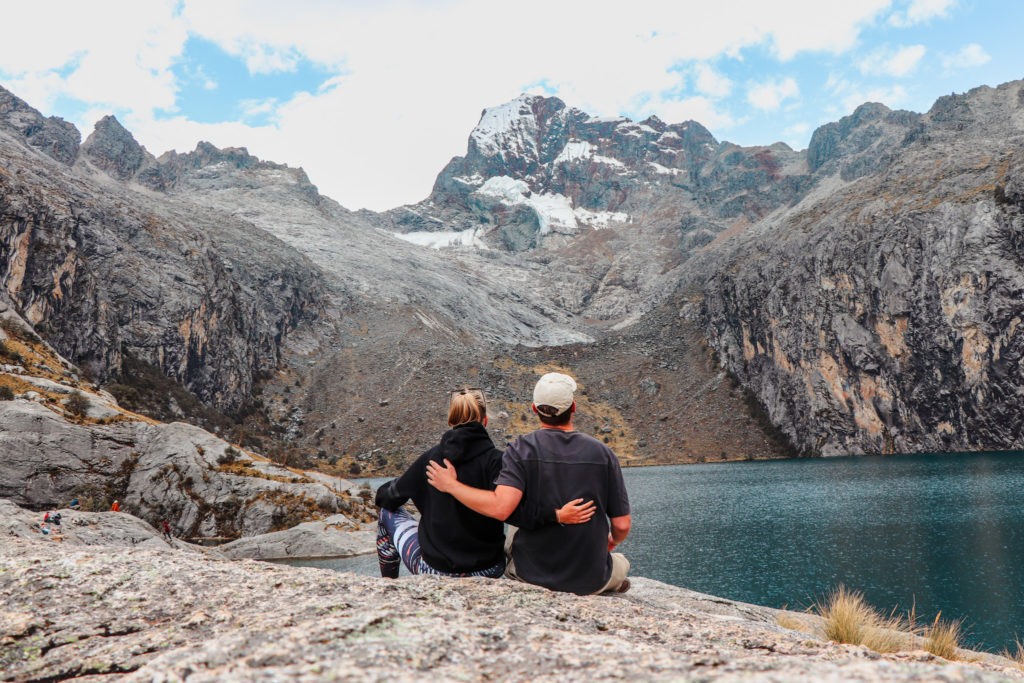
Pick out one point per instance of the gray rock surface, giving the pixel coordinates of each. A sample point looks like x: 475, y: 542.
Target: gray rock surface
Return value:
x: 881, y: 314
x: 115, y: 530
x: 334, y: 536
x: 53, y: 136
x: 864, y: 292
x: 163, y: 615
x: 178, y: 472
x: 102, y: 273
x: 113, y: 149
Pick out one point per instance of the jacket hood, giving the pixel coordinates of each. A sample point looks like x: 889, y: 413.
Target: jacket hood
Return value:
x: 465, y: 442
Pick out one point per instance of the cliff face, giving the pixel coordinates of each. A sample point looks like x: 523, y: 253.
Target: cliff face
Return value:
x: 864, y: 292
x: 882, y: 313
x: 102, y: 273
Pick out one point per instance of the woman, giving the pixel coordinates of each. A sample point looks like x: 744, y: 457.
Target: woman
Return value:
x: 450, y: 539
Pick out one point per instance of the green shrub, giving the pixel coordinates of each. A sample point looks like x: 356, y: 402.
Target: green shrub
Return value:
x: 230, y: 455
x: 77, y: 404
x: 6, y: 394
x: 7, y: 351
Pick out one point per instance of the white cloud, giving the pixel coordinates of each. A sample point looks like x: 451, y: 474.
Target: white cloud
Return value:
x: 120, y: 63
x: 920, y: 11
x: 967, y: 57
x: 252, y: 108
x: 711, y: 83
x: 797, y: 135
x: 886, y: 61
x: 797, y: 130
x: 769, y: 95
x: 698, y: 108
x: 892, y: 97
x: 848, y: 95
x: 412, y: 76
x: 418, y: 74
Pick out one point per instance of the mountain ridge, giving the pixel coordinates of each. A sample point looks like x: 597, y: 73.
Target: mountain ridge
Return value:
x: 577, y: 233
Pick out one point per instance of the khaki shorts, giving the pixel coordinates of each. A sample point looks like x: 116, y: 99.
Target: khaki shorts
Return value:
x: 620, y: 566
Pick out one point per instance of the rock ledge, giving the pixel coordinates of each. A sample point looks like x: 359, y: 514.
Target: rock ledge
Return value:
x: 148, y: 614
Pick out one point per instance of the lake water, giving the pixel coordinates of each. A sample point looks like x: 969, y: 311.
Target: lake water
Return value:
x: 942, y: 532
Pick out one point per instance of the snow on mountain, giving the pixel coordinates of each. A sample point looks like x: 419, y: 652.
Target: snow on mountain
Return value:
x: 581, y: 150
x: 445, y: 238
x: 508, y: 127
x: 601, y: 219
x: 575, y: 150
x: 507, y: 189
x: 554, y: 211
x: 663, y: 170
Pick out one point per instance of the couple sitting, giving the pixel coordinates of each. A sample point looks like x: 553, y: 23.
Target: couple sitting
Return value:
x: 465, y: 489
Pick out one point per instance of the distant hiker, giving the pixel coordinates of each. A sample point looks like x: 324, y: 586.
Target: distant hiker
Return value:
x: 549, y: 464
x: 74, y: 504
x: 46, y: 517
x: 55, y: 527
x: 116, y: 507
x: 450, y: 539
x: 166, y: 529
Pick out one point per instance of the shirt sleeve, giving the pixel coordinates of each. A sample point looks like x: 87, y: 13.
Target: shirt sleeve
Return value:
x: 618, y: 499
x: 513, y: 469
x: 394, y: 494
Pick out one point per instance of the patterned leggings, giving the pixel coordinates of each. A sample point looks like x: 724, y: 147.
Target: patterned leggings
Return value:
x: 398, y: 542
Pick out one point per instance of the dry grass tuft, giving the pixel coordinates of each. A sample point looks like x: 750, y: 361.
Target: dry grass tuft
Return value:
x: 943, y: 638
x: 794, y: 622
x: 848, y: 618
x: 1017, y: 656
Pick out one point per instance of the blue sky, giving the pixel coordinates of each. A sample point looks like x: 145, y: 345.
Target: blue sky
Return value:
x: 373, y: 98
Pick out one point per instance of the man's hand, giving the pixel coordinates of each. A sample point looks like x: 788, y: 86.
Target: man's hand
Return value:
x: 442, y: 478
x: 575, y: 512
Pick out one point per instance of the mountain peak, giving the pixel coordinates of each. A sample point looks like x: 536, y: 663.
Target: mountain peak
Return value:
x: 51, y: 135
x: 112, y: 148
x: 515, y: 125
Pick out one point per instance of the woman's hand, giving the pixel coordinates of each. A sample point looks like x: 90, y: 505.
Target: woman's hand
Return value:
x: 442, y: 478
x: 575, y: 512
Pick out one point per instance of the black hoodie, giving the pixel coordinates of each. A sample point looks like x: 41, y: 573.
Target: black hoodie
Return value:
x: 453, y: 538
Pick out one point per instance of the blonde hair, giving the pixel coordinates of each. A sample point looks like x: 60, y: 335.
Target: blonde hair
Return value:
x: 466, y: 405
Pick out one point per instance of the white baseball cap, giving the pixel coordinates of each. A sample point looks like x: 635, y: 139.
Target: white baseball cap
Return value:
x: 556, y: 390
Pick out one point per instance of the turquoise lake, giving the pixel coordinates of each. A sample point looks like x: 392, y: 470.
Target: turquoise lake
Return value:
x: 944, y: 533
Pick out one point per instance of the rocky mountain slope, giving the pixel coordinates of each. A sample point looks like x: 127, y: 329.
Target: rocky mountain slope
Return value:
x: 62, y: 439
x: 105, y: 277
x: 328, y: 339
x: 73, y: 611
x: 881, y: 313
x: 865, y: 291
x: 714, y: 300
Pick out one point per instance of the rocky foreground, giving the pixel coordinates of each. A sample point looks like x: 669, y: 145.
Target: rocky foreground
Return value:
x: 150, y: 613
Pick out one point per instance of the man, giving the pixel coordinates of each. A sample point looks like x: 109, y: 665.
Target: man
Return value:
x: 547, y: 466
